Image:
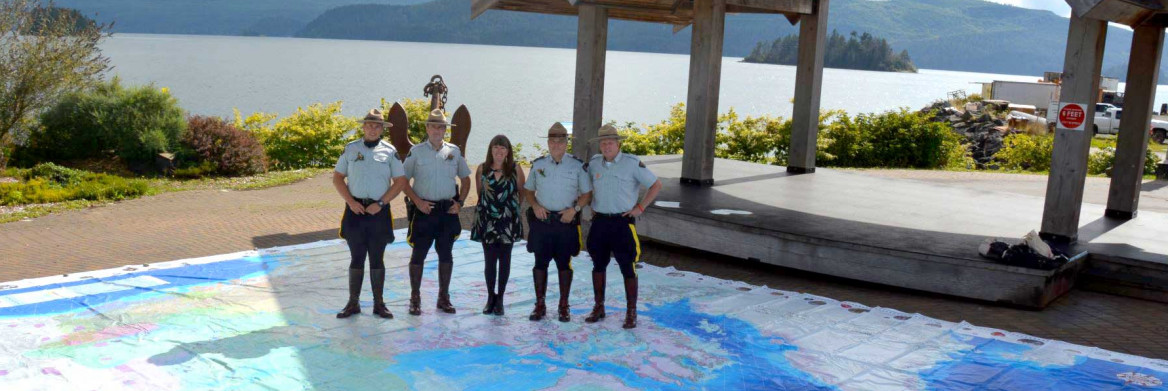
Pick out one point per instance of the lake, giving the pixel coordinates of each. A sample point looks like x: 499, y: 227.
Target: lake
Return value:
x: 517, y: 91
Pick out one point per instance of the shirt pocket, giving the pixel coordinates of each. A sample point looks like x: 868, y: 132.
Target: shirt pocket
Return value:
x: 566, y: 177
x: 381, y: 157
x: 450, y: 167
x: 624, y: 180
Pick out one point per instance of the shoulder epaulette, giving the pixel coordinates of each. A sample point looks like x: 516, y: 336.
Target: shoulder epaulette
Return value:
x: 538, y: 159
x: 574, y: 158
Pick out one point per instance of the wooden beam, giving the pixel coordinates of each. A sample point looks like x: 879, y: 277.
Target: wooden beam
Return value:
x: 477, y: 7
x: 1068, y: 169
x: 808, y: 85
x: 705, y: 76
x: 1143, y: 70
x: 783, y: 6
x: 1127, y: 12
x: 588, y: 105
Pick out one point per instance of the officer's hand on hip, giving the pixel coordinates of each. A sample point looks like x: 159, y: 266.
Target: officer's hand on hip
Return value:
x: 540, y: 212
x: 424, y: 206
x: 355, y: 207
x: 453, y: 208
x: 373, y: 209
x: 637, y: 211
x: 567, y: 215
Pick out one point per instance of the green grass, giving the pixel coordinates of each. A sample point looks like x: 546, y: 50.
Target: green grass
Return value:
x: 254, y: 182
x: 31, y: 196
x: 1107, y: 140
x: 33, y: 211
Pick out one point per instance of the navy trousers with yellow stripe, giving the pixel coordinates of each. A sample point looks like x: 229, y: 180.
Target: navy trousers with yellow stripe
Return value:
x: 614, y: 236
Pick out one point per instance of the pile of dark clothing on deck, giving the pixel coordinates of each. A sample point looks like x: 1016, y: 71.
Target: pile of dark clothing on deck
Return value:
x: 1030, y: 253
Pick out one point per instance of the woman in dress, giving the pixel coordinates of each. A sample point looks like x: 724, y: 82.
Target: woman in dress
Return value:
x: 499, y: 181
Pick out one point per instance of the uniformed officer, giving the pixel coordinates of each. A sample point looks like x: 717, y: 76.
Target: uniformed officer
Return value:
x: 367, y: 224
x: 434, y: 166
x: 558, y: 188
x: 616, y: 181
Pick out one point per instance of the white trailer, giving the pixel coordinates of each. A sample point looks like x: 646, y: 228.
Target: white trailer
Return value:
x: 1036, y: 94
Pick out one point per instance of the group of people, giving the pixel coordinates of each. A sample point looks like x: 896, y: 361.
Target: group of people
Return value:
x: 436, y: 180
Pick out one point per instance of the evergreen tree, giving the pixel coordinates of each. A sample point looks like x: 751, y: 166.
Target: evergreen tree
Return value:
x: 857, y: 51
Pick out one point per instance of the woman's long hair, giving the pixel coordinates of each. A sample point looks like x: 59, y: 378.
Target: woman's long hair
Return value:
x: 508, y: 163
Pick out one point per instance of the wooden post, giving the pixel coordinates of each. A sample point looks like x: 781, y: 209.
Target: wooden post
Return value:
x: 588, y: 107
x: 1143, y: 71
x: 705, y: 77
x: 808, y: 84
x: 1068, y: 166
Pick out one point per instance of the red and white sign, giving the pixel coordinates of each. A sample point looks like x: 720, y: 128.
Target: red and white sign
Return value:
x: 1071, y: 116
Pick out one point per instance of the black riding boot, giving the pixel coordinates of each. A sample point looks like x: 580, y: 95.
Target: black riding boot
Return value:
x: 444, y: 271
x: 377, y: 282
x: 597, y: 291
x: 353, y: 307
x: 415, y: 289
x: 565, y: 291
x: 540, y: 278
x: 631, y: 303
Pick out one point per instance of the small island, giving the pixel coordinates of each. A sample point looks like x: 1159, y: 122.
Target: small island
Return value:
x: 861, y: 52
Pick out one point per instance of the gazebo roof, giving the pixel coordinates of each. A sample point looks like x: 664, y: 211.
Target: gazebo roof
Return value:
x: 1127, y: 12
x: 676, y: 12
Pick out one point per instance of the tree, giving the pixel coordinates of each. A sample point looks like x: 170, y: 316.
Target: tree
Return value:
x: 45, y: 52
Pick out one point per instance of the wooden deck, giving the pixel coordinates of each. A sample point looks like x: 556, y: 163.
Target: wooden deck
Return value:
x: 896, y: 232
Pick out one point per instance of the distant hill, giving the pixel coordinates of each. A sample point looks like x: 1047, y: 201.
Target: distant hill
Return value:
x: 965, y: 35
x: 215, y: 17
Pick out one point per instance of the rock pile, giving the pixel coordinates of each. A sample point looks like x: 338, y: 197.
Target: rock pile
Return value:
x: 982, y: 130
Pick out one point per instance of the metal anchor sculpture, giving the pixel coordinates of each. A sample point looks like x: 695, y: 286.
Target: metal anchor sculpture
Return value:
x: 399, y: 134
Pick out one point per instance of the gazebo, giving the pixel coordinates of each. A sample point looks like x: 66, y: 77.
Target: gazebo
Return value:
x: 909, y: 234
x: 708, y: 18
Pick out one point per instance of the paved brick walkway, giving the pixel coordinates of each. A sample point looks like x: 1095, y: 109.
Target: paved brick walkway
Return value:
x: 199, y: 223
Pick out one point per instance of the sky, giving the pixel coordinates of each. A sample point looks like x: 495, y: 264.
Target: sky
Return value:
x: 1059, y: 7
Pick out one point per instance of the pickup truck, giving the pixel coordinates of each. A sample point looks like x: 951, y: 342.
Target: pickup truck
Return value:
x: 1107, y: 122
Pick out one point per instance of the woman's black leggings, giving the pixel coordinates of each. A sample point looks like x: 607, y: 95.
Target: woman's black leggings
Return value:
x: 498, y: 261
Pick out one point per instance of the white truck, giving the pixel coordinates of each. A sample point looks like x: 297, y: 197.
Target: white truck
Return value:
x: 1107, y: 122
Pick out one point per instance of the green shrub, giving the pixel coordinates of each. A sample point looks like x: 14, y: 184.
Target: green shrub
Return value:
x: 136, y: 123
x: 899, y: 138
x: 1026, y: 152
x: 764, y: 139
x: 664, y: 138
x: 1100, y: 162
x: 229, y: 150
x: 48, y: 182
x: 891, y: 139
x: 63, y: 176
x: 310, y: 137
x: 201, y: 170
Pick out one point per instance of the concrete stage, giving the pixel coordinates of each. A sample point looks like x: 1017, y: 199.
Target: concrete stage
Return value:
x: 902, y: 233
